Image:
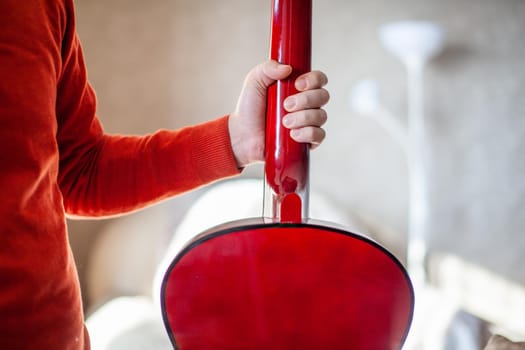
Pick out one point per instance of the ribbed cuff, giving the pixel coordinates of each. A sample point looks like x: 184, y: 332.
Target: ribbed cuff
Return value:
x: 212, y: 150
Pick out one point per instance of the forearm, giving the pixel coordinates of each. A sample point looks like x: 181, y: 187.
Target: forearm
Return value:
x: 124, y: 173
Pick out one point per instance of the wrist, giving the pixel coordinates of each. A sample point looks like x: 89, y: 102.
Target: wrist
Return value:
x: 247, y: 146
x: 236, y: 142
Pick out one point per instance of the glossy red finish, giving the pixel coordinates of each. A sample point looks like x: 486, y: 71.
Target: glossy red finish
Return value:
x: 251, y: 285
x: 286, y: 161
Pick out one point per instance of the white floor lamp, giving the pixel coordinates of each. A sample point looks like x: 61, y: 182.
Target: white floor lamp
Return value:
x: 415, y: 43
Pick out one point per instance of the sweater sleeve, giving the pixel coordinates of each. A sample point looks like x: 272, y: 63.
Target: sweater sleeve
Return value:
x: 103, y: 174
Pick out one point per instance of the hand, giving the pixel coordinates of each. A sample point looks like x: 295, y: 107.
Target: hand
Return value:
x: 305, y: 117
x: 497, y: 342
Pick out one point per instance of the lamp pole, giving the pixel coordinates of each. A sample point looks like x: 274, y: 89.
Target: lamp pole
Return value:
x: 414, y: 43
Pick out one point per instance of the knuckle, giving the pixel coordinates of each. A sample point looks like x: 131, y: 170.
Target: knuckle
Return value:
x: 312, y: 134
x: 323, y: 116
x: 304, y: 100
x: 320, y: 78
x: 326, y: 95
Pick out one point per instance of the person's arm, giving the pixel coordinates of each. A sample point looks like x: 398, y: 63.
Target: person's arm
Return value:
x: 104, y: 174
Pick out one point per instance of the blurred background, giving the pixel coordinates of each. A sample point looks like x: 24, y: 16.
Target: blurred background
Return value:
x: 171, y: 63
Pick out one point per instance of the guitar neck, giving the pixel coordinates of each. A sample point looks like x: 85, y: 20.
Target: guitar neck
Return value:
x: 286, y: 161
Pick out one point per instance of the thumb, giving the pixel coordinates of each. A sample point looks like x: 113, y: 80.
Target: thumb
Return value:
x: 267, y: 73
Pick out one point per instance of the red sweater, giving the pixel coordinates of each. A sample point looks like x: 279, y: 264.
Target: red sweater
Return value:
x: 55, y: 159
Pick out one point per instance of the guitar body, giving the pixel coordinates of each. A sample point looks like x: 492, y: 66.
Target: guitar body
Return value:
x: 284, y: 281
x: 256, y: 285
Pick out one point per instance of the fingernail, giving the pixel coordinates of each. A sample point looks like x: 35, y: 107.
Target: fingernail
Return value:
x: 295, y: 133
x: 300, y: 84
x: 287, y: 121
x: 289, y: 103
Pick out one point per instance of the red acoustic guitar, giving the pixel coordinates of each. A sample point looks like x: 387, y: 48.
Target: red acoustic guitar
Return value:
x: 284, y: 281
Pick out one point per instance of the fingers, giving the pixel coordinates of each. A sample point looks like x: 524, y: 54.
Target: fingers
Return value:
x: 306, y: 126
x: 266, y: 73
x: 309, y: 117
x: 306, y: 116
x: 312, y: 135
x: 311, y: 95
x: 307, y: 100
x: 311, y: 80
x: 269, y: 71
